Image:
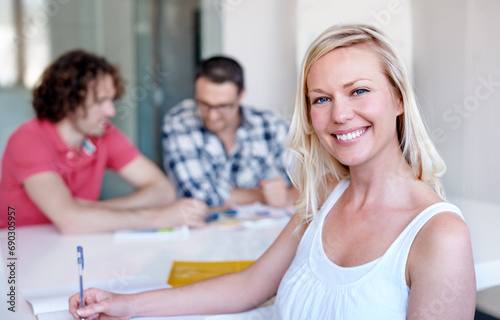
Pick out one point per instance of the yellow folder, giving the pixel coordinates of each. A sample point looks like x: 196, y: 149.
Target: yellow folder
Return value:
x: 185, y: 272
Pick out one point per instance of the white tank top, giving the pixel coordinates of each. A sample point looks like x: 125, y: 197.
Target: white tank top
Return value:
x: 316, y: 288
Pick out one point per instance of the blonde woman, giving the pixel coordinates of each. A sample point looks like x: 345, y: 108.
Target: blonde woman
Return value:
x: 372, y: 237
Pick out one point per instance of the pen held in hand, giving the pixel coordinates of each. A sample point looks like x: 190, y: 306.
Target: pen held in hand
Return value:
x: 79, y: 251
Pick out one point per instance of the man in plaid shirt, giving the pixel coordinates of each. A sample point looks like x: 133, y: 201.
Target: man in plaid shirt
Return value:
x: 221, y: 152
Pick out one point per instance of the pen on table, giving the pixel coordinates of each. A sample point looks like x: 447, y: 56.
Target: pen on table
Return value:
x: 212, y: 217
x: 79, y: 252
x: 215, y: 215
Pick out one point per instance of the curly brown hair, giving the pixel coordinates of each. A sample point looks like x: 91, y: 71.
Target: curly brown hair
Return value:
x: 65, y: 83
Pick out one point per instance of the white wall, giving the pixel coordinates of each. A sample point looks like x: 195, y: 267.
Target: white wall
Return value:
x: 481, y: 151
x: 458, y: 78
x: 392, y: 16
x: 260, y: 34
x: 457, y: 72
x: 211, y: 29
x: 482, y: 103
x: 439, y: 61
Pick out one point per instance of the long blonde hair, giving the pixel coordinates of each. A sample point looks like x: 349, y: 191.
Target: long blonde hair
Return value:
x: 313, y: 167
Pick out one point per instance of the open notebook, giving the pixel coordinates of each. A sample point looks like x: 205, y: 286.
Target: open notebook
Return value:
x: 52, y: 303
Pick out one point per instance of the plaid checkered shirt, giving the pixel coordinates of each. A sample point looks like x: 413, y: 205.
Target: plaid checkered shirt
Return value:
x: 197, y: 163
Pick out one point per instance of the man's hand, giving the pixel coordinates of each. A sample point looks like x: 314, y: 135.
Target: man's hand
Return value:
x: 188, y: 211
x: 275, y: 192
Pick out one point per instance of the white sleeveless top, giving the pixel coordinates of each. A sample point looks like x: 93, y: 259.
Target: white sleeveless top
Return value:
x: 316, y: 288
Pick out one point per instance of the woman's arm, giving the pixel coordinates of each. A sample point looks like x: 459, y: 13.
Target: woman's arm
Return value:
x: 228, y: 293
x: 440, y: 271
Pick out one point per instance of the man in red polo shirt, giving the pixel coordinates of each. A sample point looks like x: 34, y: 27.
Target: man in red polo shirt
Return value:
x: 53, y: 165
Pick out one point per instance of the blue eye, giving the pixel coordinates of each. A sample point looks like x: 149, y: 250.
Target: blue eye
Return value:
x: 359, y: 91
x: 320, y: 100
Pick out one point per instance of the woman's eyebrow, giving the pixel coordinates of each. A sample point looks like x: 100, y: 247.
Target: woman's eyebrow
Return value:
x: 316, y: 90
x: 350, y: 83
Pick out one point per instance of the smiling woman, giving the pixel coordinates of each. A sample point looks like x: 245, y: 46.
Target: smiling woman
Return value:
x: 368, y: 176
x: 354, y: 116
x: 372, y: 238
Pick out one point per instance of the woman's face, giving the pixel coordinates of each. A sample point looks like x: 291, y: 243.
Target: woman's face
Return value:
x: 353, y: 108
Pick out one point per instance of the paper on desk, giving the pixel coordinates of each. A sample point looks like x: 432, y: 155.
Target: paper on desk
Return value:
x: 173, y: 233
x: 258, y: 210
x: 255, y: 215
x: 52, y: 303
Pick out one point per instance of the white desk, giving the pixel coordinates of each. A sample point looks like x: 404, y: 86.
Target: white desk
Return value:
x: 45, y: 258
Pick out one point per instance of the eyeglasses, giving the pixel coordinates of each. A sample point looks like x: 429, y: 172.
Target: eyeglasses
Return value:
x: 221, y: 108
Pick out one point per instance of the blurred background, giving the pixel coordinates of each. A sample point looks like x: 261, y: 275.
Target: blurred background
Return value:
x: 451, y: 47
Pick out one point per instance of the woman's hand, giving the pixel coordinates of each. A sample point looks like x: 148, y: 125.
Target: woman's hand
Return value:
x: 101, y: 305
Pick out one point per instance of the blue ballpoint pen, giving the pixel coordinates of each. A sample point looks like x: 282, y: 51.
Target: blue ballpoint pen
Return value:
x: 79, y: 251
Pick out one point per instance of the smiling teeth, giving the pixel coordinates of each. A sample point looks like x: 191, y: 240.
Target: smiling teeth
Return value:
x: 350, y: 135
